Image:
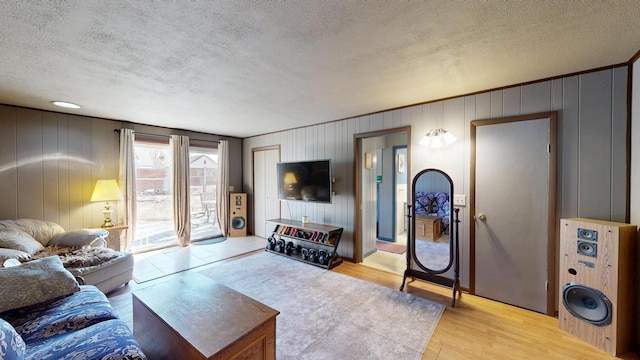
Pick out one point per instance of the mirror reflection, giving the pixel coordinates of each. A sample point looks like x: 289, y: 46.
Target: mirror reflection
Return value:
x: 432, y: 248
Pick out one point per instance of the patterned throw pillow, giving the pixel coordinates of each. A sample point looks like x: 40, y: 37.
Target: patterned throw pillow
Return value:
x: 16, y: 239
x: 34, y: 282
x: 12, y: 347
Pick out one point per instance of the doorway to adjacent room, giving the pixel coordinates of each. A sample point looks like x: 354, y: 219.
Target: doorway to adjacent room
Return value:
x: 382, y: 168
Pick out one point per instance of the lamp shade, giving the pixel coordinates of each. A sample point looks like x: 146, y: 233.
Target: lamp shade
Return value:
x: 437, y: 138
x: 290, y: 178
x: 106, y: 190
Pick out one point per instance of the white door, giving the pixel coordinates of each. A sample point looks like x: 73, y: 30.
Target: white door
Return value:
x: 265, y: 191
x: 512, y: 212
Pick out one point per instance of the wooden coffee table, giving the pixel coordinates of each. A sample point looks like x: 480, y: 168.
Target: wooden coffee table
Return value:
x: 193, y: 317
x: 428, y: 227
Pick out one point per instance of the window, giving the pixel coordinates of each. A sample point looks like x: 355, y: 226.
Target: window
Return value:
x: 204, y: 177
x: 154, y: 205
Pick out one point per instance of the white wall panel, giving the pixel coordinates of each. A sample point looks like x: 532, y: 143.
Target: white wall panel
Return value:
x: 376, y: 122
x: 77, y: 158
x: 50, y: 166
x: 590, y: 167
x: 453, y: 121
x: 595, y: 146
x: 64, y: 188
x: 8, y: 163
x: 536, y: 97
x: 497, y: 99
x: 29, y: 153
x: 389, y: 119
x: 483, y: 106
x: 512, y: 100
x: 619, y: 148
x: 569, y: 126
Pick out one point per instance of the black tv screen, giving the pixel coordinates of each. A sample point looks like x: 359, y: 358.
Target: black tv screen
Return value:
x: 305, y: 181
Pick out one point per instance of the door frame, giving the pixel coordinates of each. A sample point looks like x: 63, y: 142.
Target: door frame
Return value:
x: 551, y: 220
x: 358, y: 165
x: 395, y: 149
x: 252, y: 208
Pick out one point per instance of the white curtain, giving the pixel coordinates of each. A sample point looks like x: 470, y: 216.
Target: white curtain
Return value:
x: 222, y: 189
x: 127, y: 183
x: 180, y: 181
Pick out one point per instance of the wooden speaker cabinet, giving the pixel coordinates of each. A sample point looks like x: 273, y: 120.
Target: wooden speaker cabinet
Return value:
x: 596, y: 282
x: 238, y: 207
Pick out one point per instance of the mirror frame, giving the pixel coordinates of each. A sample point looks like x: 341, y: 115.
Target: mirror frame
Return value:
x: 426, y: 273
x: 413, y: 224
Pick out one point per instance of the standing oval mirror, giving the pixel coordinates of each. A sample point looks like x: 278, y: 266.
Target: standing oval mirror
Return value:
x: 431, y: 236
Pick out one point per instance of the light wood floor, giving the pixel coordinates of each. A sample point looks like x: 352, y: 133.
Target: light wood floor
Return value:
x: 476, y: 328
x: 382, y: 260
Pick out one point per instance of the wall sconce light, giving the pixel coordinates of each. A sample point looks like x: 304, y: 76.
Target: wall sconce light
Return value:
x: 107, y: 190
x: 368, y: 160
x: 436, y: 138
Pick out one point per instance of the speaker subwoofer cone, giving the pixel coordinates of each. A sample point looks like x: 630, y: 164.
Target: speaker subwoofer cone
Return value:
x: 587, y: 304
x: 237, y: 222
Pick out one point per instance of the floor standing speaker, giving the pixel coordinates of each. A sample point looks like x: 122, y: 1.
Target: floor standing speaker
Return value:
x: 238, y: 205
x: 596, y: 282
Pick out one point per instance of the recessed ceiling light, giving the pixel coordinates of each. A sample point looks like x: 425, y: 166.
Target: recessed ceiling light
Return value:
x: 65, y: 104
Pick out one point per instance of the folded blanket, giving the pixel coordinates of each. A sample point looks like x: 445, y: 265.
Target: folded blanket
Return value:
x: 75, y: 257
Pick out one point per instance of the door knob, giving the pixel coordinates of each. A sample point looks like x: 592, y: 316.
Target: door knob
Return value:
x: 481, y: 217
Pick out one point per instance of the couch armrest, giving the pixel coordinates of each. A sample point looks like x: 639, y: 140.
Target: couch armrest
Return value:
x: 98, y: 242
x: 82, y: 237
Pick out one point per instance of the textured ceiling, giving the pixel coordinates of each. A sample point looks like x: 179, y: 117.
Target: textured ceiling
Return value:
x: 242, y: 68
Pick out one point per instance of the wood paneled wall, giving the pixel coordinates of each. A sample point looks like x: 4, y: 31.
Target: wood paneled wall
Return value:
x: 50, y: 162
x: 432, y: 182
x: 592, y: 158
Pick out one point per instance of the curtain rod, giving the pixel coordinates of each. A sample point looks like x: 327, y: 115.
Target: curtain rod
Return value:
x: 166, y: 136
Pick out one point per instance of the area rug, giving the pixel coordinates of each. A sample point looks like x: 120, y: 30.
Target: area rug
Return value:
x: 327, y: 315
x: 391, y: 247
x: 434, y: 255
x: 177, y: 259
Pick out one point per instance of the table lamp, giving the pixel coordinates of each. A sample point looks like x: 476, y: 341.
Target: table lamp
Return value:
x: 107, y: 190
x: 290, y: 180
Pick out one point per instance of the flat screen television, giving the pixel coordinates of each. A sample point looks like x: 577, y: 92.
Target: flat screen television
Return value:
x: 308, y: 181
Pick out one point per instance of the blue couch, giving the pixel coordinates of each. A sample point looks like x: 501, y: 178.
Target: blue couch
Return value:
x: 82, y: 325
